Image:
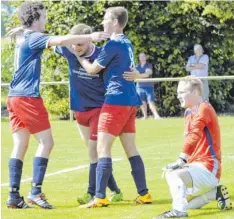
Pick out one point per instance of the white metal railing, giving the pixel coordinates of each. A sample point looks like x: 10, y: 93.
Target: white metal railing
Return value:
x: 178, y: 78
x: 143, y: 80
x: 154, y: 80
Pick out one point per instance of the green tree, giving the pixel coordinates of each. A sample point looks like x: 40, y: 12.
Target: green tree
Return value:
x: 166, y: 31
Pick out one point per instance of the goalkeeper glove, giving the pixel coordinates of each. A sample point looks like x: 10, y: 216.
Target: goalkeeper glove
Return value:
x: 176, y: 165
x: 181, y: 161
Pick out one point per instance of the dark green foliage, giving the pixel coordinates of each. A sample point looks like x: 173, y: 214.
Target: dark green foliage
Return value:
x: 166, y: 31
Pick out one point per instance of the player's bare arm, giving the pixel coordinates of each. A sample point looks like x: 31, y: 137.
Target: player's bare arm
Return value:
x: 131, y: 75
x: 134, y: 74
x: 15, y: 31
x: 68, y: 40
x: 91, y: 68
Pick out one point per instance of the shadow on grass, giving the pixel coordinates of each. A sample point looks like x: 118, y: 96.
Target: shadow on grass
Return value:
x: 162, y: 201
x: 206, y: 212
x: 132, y: 203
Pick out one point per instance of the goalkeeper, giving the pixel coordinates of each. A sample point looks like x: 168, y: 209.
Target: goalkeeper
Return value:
x: 195, y: 175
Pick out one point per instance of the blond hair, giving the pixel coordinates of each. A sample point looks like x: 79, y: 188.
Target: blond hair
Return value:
x: 119, y: 13
x: 194, y: 82
x: 81, y: 29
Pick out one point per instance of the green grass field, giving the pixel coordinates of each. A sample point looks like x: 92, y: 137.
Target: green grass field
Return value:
x: 159, y: 142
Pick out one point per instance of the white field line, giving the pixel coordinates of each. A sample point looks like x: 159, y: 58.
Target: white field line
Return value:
x: 60, y: 172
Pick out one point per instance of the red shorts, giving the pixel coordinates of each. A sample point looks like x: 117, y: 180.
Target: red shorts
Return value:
x: 89, y: 119
x: 117, y: 119
x: 29, y: 113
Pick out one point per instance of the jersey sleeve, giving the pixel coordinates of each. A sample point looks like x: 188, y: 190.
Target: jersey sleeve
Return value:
x: 63, y: 51
x: 198, y: 123
x: 108, y: 52
x: 39, y: 41
x: 204, y: 60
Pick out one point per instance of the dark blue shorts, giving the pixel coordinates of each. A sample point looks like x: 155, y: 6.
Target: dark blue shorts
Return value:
x: 146, y: 94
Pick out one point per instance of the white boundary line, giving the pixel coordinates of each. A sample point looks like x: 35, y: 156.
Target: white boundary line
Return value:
x: 60, y: 172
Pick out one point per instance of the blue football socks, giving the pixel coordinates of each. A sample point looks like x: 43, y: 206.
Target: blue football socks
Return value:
x: 138, y: 173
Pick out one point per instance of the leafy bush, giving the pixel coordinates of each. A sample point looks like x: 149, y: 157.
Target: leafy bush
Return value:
x: 166, y: 31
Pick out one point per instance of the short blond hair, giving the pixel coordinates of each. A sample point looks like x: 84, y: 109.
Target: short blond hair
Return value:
x: 81, y: 29
x: 120, y: 13
x: 194, y: 82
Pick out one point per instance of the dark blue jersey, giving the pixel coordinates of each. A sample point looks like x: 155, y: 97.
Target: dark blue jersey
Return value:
x: 86, y: 91
x: 117, y: 57
x: 26, y: 78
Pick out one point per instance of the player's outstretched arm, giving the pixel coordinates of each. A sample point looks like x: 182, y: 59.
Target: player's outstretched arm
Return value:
x: 68, y: 40
x: 14, y: 32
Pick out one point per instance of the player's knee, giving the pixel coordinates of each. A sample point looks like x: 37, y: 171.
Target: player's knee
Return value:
x: 19, y: 151
x: 21, y: 145
x: 168, y: 176
x: 171, y: 176
x: 47, y: 143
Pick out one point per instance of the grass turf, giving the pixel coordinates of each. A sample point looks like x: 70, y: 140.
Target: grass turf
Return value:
x: 159, y: 142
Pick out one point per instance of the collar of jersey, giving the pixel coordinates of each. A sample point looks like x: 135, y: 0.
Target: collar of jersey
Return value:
x: 115, y: 36
x: 28, y: 31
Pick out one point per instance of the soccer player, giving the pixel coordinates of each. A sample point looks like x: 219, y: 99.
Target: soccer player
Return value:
x: 118, y: 113
x: 87, y: 96
x: 196, y: 173
x: 26, y: 109
x: 146, y: 89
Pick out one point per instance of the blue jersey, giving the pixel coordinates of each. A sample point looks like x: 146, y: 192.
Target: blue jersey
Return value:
x: 26, y: 78
x: 86, y: 91
x: 117, y: 57
x: 142, y: 70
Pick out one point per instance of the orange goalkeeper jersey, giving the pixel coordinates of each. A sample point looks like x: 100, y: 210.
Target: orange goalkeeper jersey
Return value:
x: 202, y: 137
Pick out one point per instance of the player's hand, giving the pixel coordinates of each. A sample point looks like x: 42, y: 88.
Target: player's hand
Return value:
x: 131, y: 75
x: 181, y: 161
x: 14, y: 32
x: 176, y: 165
x: 99, y: 36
